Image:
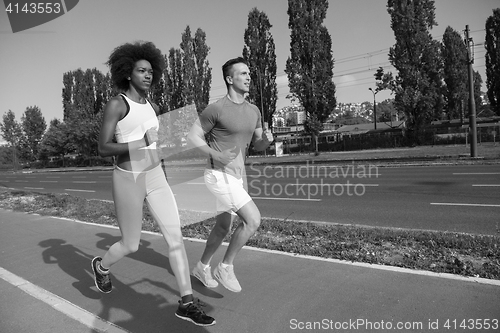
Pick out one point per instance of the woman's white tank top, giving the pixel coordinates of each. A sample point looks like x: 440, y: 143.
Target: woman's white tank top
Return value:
x: 139, y: 118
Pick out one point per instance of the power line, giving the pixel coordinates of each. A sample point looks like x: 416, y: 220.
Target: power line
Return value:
x: 360, y: 69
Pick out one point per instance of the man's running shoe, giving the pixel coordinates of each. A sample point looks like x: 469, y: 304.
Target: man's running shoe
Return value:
x: 102, y: 281
x: 204, y: 275
x: 194, y: 313
x: 227, y: 278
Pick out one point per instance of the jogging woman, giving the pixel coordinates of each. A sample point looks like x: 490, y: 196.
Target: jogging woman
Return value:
x: 132, y: 120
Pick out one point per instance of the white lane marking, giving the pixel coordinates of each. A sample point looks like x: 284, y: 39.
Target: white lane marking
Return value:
x: 34, y: 188
x: 326, y: 184
x: 310, y: 184
x: 284, y: 199
x: 476, y: 173
x: 486, y: 185
x: 74, y: 190
x: 84, y: 182
x: 462, y: 204
x: 60, y: 304
x: 48, y: 181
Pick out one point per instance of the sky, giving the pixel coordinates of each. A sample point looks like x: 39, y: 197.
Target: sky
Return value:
x: 32, y: 62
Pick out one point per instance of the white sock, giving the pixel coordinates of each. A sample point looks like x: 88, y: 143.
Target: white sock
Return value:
x: 102, y: 270
x: 223, y: 265
x: 204, y: 266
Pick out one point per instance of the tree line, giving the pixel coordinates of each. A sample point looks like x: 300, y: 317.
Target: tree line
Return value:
x: 430, y: 82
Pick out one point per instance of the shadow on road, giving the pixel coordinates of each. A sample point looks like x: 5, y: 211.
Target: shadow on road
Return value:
x: 72, y: 261
x: 141, y: 302
x: 145, y: 311
x: 147, y: 255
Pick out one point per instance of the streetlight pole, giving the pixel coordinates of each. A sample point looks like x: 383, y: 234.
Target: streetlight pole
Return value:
x: 374, y: 108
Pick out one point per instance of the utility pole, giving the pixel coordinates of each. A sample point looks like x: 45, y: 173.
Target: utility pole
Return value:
x: 375, y: 108
x: 265, y: 125
x: 472, y: 104
x: 264, y: 119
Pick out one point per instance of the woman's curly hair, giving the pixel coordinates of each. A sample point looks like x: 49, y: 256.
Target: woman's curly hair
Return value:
x: 123, y: 58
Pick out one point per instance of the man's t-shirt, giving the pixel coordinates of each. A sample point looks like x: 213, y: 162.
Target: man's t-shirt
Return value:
x: 229, y: 125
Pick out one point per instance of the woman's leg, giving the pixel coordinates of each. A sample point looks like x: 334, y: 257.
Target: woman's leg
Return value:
x: 128, y: 196
x: 163, y: 207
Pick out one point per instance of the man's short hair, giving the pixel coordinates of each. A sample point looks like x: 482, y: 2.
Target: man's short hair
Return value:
x: 226, y: 68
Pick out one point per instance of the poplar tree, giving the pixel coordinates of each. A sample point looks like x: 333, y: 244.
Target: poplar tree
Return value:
x: 84, y: 96
x: 203, y: 71
x: 196, y: 74
x: 454, y: 54
x: 478, y: 82
x: 158, y: 92
x: 174, y: 82
x: 187, y: 78
x: 492, y: 45
x: 259, y: 51
x: 310, y: 65
x: 418, y: 84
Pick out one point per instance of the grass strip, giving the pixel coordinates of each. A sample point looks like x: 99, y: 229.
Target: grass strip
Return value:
x: 443, y: 252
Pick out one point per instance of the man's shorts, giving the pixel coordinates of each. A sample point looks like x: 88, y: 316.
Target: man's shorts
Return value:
x: 229, y: 191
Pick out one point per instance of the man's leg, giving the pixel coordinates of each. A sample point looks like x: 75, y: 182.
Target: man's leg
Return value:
x: 250, y: 216
x: 224, y: 272
x: 221, y: 229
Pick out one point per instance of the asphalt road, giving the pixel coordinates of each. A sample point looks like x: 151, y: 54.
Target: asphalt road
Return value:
x: 462, y: 198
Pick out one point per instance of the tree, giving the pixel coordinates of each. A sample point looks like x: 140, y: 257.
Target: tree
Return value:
x: 418, y: 84
x: 310, y: 65
x: 158, y: 92
x: 186, y: 81
x: 174, y: 80
x: 478, y: 82
x: 12, y: 133
x: 11, y: 130
x: 386, y: 111
x: 5, y: 156
x: 259, y: 51
x: 190, y: 72
x: 34, y: 125
x: 54, y: 141
x: 454, y: 54
x: 84, y: 96
x: 188, y: 67
x: 203, y: 77
x: 67, y: 94
x: 492, y: 45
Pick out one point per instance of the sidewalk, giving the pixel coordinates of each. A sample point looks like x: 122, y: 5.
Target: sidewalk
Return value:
x: 281, y: 293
